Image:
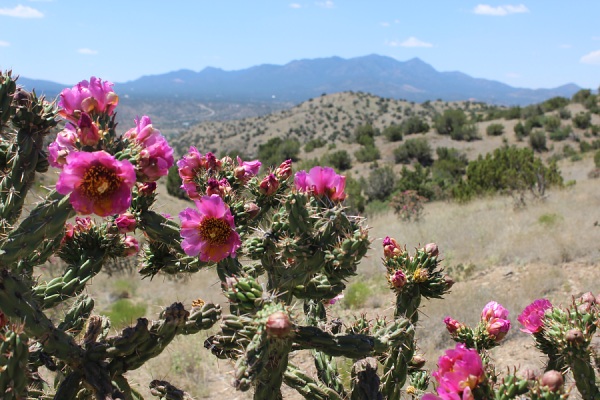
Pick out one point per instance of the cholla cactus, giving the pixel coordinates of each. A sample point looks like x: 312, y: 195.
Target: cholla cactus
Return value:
x: 284, y: 247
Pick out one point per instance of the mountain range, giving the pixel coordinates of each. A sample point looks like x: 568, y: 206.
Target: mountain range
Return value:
x: 300, y: 80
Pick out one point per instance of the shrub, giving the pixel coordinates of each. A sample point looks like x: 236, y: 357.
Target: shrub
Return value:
x: 554, y: 103
x: 495, y: 129
x: 415, y: 148
x: 551, y: 123
x: 123, y: 312
x: 355, y: 201
x: 564, y: 113
x: 582, y: 120
x: 537, y: 141
x: 418, y: 180
x: 414, y: 124
x: 408, y: 205
x: 520, y: 131
x: 393, y: 133
x: 367, y: 154
x: 339, y: 160
x: 174, y: 184
x: 276, y: 150
x: 450, y: 121
x: 365, y: 135
x: 561, y: 133
x: 597, y: 159
x: 467, y: 132
x: 356, y: 295
x: 380, y: 183
x: 314, y: 144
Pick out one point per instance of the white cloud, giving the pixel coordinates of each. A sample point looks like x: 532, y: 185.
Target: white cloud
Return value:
x: 385, y: 24
x: 325, y: 4
x: 21, y: 12
x: 500, y: 11
x: 4, y: 43
x: 87, y: 51
x: 295, y: 5
x: 592, y: 58
x: 410, y: 42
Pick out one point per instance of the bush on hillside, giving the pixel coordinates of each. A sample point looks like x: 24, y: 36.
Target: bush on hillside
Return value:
x: 554, y: 103
x: 393, y: 133
x: 537, y: 141
x: 551, y: 123
x: 561, y: 133
x: 314, y: 144
x: 597, y: 159
x: 174, y: 184
x: 367, y: 154
x: 495, y: 129
x: 413, y: 125
x: 277, y: 150
x: 414, y: 149
x: 449, y: 121
x: 340, y: 160
x: 582, y: 120
x: 380, y: 183
x: 365, y: 135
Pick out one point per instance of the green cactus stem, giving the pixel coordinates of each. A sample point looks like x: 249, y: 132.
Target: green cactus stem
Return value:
x: 165, y: 391
x: 13, y: 363
x: 307, y: 386
x: 365, y: 381
x: 45, y: 221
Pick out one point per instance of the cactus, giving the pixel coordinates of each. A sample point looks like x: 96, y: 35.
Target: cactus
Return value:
x: 284, y: 246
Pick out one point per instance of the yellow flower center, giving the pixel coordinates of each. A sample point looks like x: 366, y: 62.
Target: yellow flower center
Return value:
x: 214, y: 230
x: 99, y: 182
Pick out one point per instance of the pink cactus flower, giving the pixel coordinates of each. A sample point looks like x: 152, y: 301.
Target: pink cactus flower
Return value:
x: 146, y: 188
x: 246, y: 169
x: 335, y: 299
x: 98, y: 183
x: 209, y: 232
x: 269, y: 185
x: 62, y: 146
x: 460, y: 370
x: 80, y: 225
x: 95, y: 96
x: 156, y: 156
x: 391, y: 248
x: 190, y: 164
x: 87, y: 131
x: 220, y: 188
x: 125, y: 222
x: 132, y: 246
x: 495, y: 318
x: 532, y: 317
x: 322, y: 181
x: 453, y: 325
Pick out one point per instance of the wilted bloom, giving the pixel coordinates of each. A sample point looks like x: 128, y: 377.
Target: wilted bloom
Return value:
x: 131, y: 246
x: 453, y: 325
x: 532, y: 317
x: 62, y: 146
x: 322, y: 181
x: 459, y: 371
x: 125, y: 222
x: 220, y: 188
x: 246, y: 169
x: 190, y: 164
x: 155, y: 156
x: 209, y: 231
x: 269, y: 185
x: 95, y: 96
x: 284, y: 170
x: 397, y: 279
x: 99, y: 184
x: 87, y: 131
x: 391, y: 248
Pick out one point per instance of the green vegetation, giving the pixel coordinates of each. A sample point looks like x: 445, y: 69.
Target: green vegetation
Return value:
x: 414, y: 149
x: 124, y: 312
x: 356, y: 295
x: 277, y: 150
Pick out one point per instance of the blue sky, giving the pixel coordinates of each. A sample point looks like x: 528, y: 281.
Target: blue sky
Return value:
x: 532, y: 44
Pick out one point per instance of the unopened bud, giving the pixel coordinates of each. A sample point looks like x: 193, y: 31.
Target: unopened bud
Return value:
x: 278, y: 325
x: 574, y: 337
x: 418, y: 361
x: 146, y: 188
x: 251, y: 209
x: 284, y: 171
x: 432, y: 249
x: 131, y: 246
x: 397, y: 279
x: 553, y: 380
x: 588, y: 298
x: 448, y: 281
x: 269, y: 185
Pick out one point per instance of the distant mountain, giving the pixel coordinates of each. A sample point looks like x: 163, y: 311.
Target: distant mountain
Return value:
x: 297, y: 81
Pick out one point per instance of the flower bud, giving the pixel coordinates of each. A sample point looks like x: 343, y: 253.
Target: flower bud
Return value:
x: 284, y: 170
x: 418, y: 361
x: 269, y: 185
x: 432, y: 249
x: 251, y: 209
x: 448, y: 281
x: 397, y: 279
x: 131, y: 246
x: 125, y: 222
x: 278, y: 325
x: 574, y: 337
x: 588, y: 298
x: 391, y: 248
x: 146, y: 188
x: 553, y: 380
x: 452, y: 325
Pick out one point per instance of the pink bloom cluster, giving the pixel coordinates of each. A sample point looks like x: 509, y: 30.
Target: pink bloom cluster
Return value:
x: 495, y: 318
x: 98, y: 183
x: 459, y: 371
x: 322, y: 182
x: 209, y: 232
x: 246, y: 169
x: 156, y: 156
x: 95, y: 96
x: 532, y: 317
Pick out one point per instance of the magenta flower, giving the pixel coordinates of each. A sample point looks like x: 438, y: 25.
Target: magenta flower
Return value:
x: 398, y: 279
x: 322, y: 181
x: 132, y: 246
x: 125, y: 222
x: 452, y: 325
x: 493, y: 310
x: 269, y: 185
x: 156, y: 156
x: 495, y: 318
x: 532, y: 317
x: 190, y: 164
x: 98, y: 183
x: 220, y: 188
x: 62, y: 146
x: 209, y: 231
x: 246, y: 169
x: 459, y: 371
x: 284, y: 170
x: 94, y: 96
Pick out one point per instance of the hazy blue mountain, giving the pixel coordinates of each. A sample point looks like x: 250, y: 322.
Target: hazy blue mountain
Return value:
x: 299, y: 80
